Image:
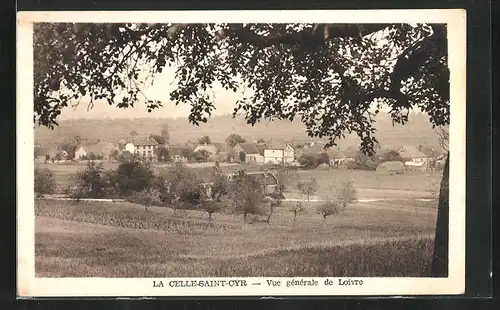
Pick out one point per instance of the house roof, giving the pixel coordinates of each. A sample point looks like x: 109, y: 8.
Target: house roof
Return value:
x: 249, y: 148
x: 277, y: 146
x: 211, y: 148
x: 143, y: 141
x: 410, y: 151
x: 264, y: 178
x: 99, y: 148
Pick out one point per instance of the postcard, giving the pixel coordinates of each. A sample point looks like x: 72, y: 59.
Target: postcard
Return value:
x: 241, y: 153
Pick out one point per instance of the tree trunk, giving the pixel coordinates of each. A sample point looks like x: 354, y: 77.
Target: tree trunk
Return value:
x: 210, y: 216
x: 270, y: 213
x: 440, y: 256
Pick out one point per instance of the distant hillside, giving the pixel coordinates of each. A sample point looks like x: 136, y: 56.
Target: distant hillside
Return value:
x: 417, y: 131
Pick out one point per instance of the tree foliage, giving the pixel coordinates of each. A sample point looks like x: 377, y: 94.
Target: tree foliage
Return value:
x: 245, y: 194
x: 204, y: 140
x: 391, y: 155
x: 133, y: 176
x: 234, y: 139
x: 327, y: 75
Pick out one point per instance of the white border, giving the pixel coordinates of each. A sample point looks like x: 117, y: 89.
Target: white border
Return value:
x: 29, y: 286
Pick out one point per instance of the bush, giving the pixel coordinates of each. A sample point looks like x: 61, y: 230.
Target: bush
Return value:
x: 44, y: 181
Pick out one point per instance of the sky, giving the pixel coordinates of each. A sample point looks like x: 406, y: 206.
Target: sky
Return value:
x: 225, y: 104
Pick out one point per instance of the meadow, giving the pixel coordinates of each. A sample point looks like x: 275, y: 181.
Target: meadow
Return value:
x: 104, y: 239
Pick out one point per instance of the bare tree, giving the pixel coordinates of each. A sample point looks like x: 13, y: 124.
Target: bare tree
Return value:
x: 297, y: 209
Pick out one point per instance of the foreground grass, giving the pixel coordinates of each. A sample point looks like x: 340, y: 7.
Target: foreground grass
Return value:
x: 71, y: 241
x: 126, y: 254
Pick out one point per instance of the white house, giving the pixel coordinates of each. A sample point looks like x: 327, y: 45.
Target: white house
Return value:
x: 251, y: 153
x: 102, y: 150
x: 279, y: 153
x: 144, y: 147
x: 410, y: 153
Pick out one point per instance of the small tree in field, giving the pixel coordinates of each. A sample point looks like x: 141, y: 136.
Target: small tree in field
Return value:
x: 219, y: 186
x: 346, y: 194
x: 245, y: 195
x: 146, y: 198
x: 297, y: 209
x: 44, y: 181
x: 308, y: 188
x: 328, y: 207
x: 211, y: 207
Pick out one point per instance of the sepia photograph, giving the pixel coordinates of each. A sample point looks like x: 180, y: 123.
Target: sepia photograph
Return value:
x: 251, y: 153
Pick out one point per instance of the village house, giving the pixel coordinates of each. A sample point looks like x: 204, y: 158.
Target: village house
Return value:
x: 209, y: 148
x: 143, y: 147
x: 412, y: 155
x: 99, y: 150
x: 279, y: 153
x: 251, y: 153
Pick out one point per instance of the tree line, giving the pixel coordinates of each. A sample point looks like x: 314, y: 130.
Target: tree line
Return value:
x: 183, y: 189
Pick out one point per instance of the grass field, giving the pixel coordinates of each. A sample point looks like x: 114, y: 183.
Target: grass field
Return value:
x: 124, y: 240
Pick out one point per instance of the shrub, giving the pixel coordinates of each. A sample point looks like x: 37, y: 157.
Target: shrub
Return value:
x: 44, y: 181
